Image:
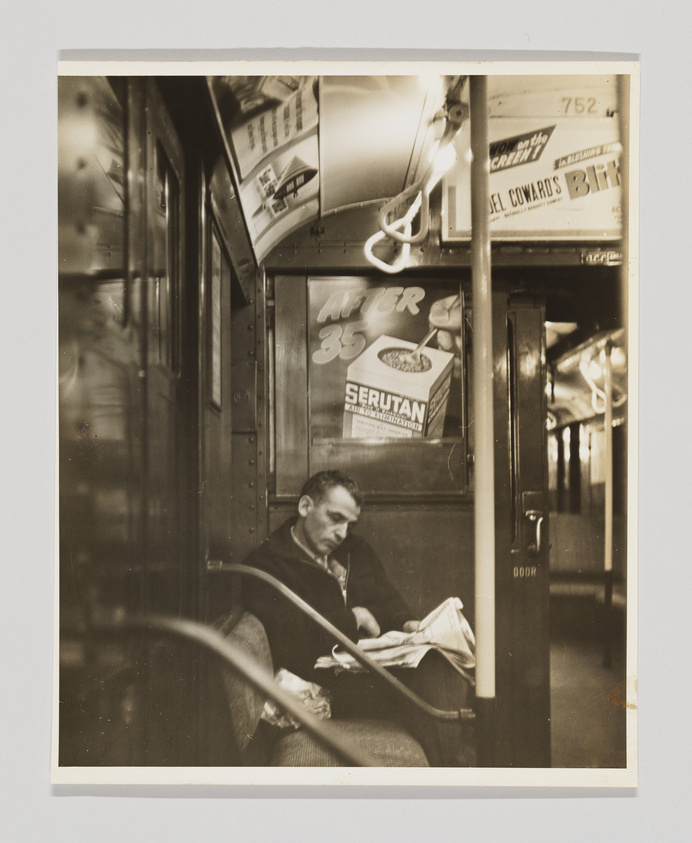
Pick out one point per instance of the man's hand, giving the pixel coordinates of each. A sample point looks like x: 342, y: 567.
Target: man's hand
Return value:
x: 446, y: 315
x: 366, y: 623
x: 411, y: 626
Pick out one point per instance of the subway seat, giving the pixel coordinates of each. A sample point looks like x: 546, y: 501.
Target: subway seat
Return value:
x: 258, y: 745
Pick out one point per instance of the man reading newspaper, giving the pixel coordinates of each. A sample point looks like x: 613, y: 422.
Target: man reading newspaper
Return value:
x: 316, y: 554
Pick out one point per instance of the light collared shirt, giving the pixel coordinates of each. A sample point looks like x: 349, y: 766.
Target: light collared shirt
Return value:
x: 335, y: 568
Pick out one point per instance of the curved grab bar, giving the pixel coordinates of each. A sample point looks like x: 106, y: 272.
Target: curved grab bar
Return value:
x: 230, y: 654
x: 456, y: 114
x: 363, y: 658
x: 391, y: 268
x: 421, y: 204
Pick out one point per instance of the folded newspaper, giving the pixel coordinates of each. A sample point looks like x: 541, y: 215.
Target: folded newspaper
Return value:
x: 445, y: 629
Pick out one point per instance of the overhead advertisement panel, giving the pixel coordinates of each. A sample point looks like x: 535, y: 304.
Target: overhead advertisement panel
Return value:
x: 553, y: 179
x: 271, y: 125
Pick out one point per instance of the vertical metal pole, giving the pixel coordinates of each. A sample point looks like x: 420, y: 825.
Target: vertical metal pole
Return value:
x: 623, y: 93
x: 484, y: 497
x: 608, y: 540
x: 608, y: 422
x: 629, y: 230
x: 624, y: 107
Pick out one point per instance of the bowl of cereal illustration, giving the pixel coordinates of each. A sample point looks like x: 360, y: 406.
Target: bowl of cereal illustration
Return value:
x: 405, y: 360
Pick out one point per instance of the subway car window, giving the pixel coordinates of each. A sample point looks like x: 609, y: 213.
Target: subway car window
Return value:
x: 94, y: 391
x: 165, y: 292
x: 92, y: 178
x: 383, y: 368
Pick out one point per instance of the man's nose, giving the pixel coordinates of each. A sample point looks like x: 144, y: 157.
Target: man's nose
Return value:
x: 341, y: 531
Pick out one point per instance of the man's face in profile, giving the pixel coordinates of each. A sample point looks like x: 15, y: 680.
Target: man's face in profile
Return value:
x: 323, y: 525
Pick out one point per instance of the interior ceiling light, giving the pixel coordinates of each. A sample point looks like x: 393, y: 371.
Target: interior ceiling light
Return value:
x: 454, y: 113
x: 590, y: 371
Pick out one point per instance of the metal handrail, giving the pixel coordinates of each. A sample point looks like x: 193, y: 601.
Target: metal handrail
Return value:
x: 462, y: 714
x: 231, y: 654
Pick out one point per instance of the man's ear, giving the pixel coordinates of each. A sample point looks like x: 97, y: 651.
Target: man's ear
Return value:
x: 305, y: 504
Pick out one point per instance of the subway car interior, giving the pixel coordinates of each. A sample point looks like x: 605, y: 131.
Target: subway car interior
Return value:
x: 237, y: 257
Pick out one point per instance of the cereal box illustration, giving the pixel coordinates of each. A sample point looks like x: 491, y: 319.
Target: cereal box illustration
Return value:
x: 392, y: 393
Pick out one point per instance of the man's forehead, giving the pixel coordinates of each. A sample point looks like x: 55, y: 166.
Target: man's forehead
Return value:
x: 340, y: 498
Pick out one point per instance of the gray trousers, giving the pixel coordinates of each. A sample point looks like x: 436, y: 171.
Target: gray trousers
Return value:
x: 446, y: 743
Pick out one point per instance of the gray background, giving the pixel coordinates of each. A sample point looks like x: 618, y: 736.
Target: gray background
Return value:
x: 358, y: 29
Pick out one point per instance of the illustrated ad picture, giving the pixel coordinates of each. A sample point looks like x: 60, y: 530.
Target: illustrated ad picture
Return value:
x: 273, y: 132
x: 384, y: 359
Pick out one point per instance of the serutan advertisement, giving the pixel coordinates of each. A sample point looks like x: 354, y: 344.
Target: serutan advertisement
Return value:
x: 384, y: 359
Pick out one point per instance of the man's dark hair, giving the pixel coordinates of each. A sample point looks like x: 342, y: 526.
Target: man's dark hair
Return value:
x: 319, y: 484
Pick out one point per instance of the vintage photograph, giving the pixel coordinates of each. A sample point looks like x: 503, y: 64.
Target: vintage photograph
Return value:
x: 346, y: 423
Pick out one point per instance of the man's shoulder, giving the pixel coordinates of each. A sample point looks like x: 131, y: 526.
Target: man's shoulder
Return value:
x: 356, y: 546
x: 277, y: 545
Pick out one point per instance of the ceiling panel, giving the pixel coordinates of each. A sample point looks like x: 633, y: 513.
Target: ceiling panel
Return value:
x: 372, y: 131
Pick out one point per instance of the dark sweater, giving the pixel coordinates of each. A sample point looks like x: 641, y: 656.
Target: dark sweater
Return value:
x: 296, y: 641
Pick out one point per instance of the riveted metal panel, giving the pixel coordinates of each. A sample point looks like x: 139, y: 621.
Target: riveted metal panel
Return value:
x: 244, y: 395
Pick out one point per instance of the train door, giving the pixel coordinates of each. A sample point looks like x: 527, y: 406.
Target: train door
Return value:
x: 167, y: 705
x: 522, y: 585
x: 231, y: 465
x: 167, y: 448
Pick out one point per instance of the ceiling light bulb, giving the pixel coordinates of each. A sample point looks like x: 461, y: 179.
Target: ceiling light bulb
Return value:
x: 594, y: 370
x: 618, y: 357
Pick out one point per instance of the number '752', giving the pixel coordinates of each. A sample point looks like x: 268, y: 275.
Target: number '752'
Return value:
x: 579, y: 105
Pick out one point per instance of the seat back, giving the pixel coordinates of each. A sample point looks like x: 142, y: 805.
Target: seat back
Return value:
x: 246, y: 702
x: 258, y: 744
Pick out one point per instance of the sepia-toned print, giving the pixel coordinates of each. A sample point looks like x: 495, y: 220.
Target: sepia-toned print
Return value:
x: 346, y: 424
